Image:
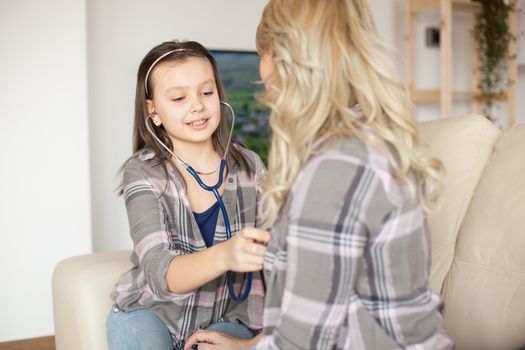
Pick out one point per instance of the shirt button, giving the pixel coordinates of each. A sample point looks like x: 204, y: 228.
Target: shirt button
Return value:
x: 230, y: 180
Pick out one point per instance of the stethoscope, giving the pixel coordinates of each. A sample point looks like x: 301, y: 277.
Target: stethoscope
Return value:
x: 215, y: 190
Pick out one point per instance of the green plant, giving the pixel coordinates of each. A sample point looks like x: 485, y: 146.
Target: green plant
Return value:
x: 492, y: 34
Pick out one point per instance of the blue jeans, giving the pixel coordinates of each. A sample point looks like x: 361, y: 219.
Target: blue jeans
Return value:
x: 143, y: 330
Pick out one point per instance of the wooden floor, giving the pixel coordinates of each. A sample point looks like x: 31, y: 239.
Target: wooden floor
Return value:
x: 43, y: 343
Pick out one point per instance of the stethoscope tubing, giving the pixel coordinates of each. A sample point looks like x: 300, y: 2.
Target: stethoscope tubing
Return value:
x: 215, y: 190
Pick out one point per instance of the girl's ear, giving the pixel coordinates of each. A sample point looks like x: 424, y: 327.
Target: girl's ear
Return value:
x: 151, y: 111
x: 150, y: 106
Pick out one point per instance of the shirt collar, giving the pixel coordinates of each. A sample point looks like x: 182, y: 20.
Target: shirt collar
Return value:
x: 147, y: 154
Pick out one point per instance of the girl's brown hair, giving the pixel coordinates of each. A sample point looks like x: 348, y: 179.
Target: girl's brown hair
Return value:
x: 142, y: 139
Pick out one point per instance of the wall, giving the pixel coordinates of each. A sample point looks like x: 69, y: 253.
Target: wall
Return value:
x: 521, y: 32
x: 521, y: 62
x: 44, y: 181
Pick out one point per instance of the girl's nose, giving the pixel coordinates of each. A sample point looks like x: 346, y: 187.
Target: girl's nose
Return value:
x: 196, y: 106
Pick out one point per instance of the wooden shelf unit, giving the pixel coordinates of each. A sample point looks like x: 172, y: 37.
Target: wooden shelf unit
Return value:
x: 445, y: 95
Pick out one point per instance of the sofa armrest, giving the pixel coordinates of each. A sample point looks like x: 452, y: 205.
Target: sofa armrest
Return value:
x: 81, y: 298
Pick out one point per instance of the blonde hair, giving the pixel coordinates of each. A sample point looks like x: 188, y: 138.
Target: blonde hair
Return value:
x: 328, y: 58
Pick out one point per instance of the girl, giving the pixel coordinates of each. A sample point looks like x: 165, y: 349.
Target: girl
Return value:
x: 345, y: 190
x: 181, y: 252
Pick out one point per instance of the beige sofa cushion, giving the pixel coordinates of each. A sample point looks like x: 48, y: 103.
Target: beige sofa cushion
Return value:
x: 81, y: 298
x: 464, y: 145
x: 485, y: 292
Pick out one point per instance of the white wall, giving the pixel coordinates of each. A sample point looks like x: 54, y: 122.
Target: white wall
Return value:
x: 44, y: 177
x: 117, y: 41
x: 521, y: 61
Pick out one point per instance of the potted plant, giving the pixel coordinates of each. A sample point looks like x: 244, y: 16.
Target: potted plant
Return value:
x: 492, y: 35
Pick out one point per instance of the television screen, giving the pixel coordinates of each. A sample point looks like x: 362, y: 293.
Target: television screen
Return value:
x: 240, y: 74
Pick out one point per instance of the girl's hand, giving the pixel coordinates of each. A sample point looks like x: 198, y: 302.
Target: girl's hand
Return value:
x: 205, y: 340
x: 245, y: 251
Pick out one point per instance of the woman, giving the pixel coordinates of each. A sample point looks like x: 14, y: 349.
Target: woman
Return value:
x: 345, y: 192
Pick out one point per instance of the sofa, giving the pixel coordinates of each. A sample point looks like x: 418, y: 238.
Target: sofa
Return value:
x: 478, y: 245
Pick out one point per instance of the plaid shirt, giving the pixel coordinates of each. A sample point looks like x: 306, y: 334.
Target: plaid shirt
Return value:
x: 163, y: 227
x: 348, y: 263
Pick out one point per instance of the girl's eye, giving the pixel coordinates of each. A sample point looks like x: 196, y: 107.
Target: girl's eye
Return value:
x: 177, y: 99
x: 208, y: 93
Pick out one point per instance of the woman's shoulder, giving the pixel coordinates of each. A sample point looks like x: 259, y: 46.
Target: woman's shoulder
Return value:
x: 347, y: 173
x: 349, y: 153
x: 374, y: 162
x: 355, y: 153
x: 348, y: 159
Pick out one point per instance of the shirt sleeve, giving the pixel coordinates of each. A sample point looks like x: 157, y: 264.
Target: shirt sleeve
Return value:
x: 329, y: 218
x: 149, y: 232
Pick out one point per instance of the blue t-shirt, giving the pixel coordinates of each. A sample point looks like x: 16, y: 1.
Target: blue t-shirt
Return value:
x: 207, y: 221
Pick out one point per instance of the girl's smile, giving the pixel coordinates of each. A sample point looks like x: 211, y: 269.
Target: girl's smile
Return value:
x: 198, y: 124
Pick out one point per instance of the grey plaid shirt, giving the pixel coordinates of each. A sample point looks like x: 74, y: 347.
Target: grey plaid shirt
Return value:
x: 163, y: 227
x: 348, y: 263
